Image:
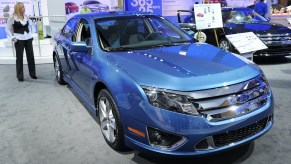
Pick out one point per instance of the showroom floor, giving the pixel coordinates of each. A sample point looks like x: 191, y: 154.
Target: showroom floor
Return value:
x: 43, y: 122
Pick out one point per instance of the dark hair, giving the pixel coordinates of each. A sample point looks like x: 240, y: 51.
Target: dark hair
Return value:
x: 196, y: 3
x: 262, y: 0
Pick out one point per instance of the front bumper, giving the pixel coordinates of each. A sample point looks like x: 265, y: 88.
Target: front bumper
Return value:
x: 275, y: 51
x: 195, y: 129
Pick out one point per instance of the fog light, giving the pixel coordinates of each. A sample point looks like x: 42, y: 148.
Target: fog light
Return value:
x: 164, y: 140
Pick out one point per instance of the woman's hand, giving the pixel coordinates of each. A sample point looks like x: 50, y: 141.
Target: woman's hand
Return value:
x: 14, y: 40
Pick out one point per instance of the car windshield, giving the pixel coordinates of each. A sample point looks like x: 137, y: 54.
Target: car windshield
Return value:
x: 138, y: 32
x: 242, y: 16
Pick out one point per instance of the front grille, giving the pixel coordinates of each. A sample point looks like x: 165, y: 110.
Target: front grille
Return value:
x: 276, y: 38
x: 241, y: 99
x: 234, y: 136
x: 227, y: 138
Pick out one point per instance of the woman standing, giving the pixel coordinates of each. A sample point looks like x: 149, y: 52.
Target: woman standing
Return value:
x: 17, y: 29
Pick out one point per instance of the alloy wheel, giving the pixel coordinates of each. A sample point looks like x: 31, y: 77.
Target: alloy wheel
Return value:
x: 224, y: 45
x: 57, y: 69
x: 107, y: 120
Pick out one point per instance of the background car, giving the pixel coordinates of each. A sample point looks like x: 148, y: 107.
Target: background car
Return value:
x: 155, y: 90
x: 96, y: 6
x: 222, y: 2
x: 237, y: 20
x: 71, y: 7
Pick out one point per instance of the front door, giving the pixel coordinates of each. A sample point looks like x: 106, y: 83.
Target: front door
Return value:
x: 82, y: 72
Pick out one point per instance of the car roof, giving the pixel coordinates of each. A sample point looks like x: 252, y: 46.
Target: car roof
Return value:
x: 110, y: 14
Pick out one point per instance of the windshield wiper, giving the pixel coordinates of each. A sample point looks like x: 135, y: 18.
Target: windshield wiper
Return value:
x: 168, y: 44
x: 121, y: 48
x: 180, y: 42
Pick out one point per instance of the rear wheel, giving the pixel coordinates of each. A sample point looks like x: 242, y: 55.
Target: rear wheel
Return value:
x: 110, y: 122
x: 58, y: 71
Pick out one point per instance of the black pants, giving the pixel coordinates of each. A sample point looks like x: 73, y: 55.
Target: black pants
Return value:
x: 20, y: 45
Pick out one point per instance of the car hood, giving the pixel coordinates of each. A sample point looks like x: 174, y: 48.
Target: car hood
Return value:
x: 257, y: 28
x: 184, y: 68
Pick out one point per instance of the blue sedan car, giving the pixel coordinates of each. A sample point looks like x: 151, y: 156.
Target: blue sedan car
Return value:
x: 157, y: 91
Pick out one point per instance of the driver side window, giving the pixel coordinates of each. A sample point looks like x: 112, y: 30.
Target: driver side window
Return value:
x: 83, y: 32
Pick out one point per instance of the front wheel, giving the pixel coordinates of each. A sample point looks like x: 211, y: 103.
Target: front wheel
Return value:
x: 110, y: 122
x: 225, y: 44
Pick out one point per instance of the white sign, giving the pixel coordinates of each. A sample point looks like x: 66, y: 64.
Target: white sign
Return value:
x: 170, y: 7
x: 208, y: 16
x: 246, y: 42
x: 7, y: 8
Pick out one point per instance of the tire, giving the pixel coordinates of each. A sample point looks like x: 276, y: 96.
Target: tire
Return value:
x: 110, y: 123
x: 58, y: 71
x: 226, y: 45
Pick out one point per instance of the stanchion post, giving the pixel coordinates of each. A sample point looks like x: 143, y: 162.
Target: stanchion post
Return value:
x: 38, y: 39
x: 216, y: 38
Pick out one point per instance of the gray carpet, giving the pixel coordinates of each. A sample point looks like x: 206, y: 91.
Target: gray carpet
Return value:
x: 43, y: 122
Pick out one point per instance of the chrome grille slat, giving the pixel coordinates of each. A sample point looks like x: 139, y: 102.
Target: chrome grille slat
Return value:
x: 233, y: 111
x: 231, y: 96
x: 213, y: 103
x: 251, y: 96
x: 276, y: 38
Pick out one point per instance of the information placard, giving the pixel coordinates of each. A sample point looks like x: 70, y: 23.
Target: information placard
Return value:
x: 246, y: 42
x: 208, y: 16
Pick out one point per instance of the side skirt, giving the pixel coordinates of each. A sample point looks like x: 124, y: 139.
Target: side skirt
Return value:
x: 81, y: 95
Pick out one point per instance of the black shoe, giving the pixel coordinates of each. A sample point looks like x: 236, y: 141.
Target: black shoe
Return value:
x: 33, y: 77
x: 20, y: 80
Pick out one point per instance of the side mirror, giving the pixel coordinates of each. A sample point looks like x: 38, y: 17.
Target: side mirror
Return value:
x: 189, y: 28
x: 79, y: 47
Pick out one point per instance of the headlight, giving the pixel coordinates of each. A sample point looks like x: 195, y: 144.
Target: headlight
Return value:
x: 170, y: 101
x: 266, y: 89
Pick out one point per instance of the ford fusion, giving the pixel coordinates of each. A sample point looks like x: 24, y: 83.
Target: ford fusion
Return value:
x: 157, y: 91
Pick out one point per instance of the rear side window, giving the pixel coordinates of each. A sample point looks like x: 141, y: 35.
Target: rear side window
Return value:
x: 69, y: 28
